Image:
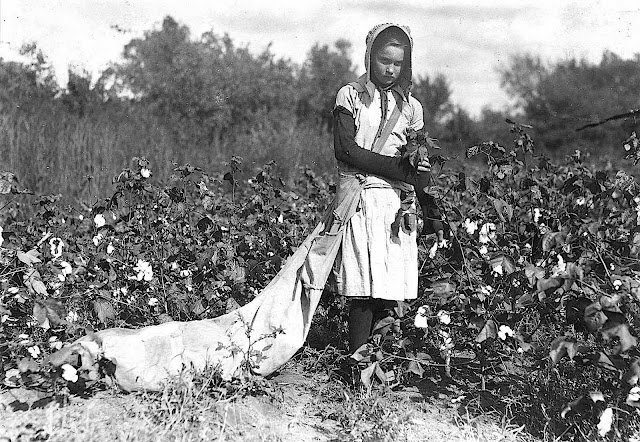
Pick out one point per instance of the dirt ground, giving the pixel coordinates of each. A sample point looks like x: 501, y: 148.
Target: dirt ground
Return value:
x: 298, y: 407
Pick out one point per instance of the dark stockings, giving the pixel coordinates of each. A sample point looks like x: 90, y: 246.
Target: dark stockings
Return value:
x: 363, y: 314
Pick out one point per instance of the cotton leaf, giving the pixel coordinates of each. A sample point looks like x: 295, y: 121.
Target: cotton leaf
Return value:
x: 605, y: 361
x: 489, y: 331
x: 524, y: 300
x: 383, y: 323
x: 554, y: 283
x: 66, y: 355
x: 503, y: 209
x: 503, y: 261
x: 551, y: 240
x: 29, y: 258
x: 104, y: 310
x: 627, y: 340
x: 611, y: 303
x: 533, y: 273
x: 401, y: 309
x: 582, y: 403
x: 472, y: 151
x: 576, y: 405
x: 563, y: 346
x: 39, y: 287
x: 632, y: 373
x: 49, y: 313
x: 574, y: 271
x: 594, y: 318
x: 40, y: 313
x: 28, y: 364
x: 442, y: 288
x: 7, y: 180
x: 380, y: 373
x: 366, y: 375
x: 361, y: 353
x: 416, y: 368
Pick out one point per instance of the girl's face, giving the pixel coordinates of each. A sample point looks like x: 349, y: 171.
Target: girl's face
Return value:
x: 387, y: 65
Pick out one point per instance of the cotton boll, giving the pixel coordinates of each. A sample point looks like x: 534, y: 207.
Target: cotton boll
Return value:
x: 69, y: 373
x: 99, y: 220
x: 606, y: 419
x: 421, y: 318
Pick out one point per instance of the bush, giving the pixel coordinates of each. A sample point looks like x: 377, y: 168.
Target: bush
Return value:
x: 531, y: 299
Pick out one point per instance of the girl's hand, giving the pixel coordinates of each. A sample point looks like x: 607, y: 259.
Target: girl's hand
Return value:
x: 424, y: 165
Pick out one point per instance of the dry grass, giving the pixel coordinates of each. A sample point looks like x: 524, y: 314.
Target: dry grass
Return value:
x: 290, y: 407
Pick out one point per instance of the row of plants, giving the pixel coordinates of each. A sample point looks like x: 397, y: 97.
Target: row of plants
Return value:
x: 530, y: 304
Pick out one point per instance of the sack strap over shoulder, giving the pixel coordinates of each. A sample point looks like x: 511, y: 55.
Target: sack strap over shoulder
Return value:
x: 378, y: 144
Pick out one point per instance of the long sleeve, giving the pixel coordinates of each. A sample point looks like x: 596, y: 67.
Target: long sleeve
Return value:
x: 347, y: 150
x: 398, y: 168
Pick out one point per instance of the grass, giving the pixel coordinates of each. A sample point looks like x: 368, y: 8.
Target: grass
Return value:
x: 299, y: 403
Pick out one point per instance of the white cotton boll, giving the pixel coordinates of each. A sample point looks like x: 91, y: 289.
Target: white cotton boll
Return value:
x: 505, y: 331
x: 421, y: 318
x: 536, y: 215
x: 606, y: 419
x: 110, y: 248
x: 634, y: 395
x: 66, y: 268
x: 483, y: 250
x: 69, y: 373
x: 146, y: 173
x: 34, y: 351
x: 560, y: 267
x: 56, y: 245
x: 470, y: 226
x: 486, y: 290
x: 55, y: 343
x: 444, y: 317
x: 433, y: 250
x: 72, y: 317
x: 99, y: 220
x: 144, y: 270
x: 487, y: 233
x: 153, y: 302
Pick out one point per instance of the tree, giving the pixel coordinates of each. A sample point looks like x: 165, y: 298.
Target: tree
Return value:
x: 558, y: 98
x: 207, y: 89
x: 459, y: 130
x: 27, y: 85
x: 324, y: 72
x: 435, y: 98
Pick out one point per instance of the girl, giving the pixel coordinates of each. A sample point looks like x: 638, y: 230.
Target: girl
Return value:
x: 378, y: 260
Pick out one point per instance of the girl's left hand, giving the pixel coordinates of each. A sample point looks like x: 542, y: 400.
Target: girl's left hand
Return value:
x: 424, y: 166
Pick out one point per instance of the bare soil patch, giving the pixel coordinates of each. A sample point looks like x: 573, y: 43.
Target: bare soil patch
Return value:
x: 294, y: 406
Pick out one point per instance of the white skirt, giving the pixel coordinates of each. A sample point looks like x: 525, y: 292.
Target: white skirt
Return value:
x: 373, y: 262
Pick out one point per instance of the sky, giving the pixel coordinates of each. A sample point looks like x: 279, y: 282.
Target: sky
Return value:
x: 468, y: 41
